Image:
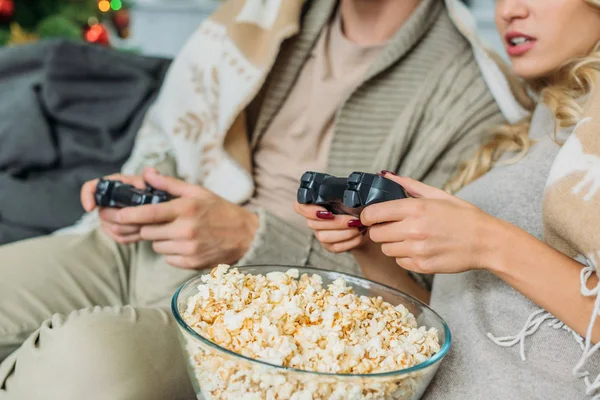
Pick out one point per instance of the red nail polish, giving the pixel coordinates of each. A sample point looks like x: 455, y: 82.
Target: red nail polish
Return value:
x: 355, y: 223
x: 385, y: 172
x: 325, y: 215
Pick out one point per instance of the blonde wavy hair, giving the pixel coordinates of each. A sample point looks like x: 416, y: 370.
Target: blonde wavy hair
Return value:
x: 560, y: 92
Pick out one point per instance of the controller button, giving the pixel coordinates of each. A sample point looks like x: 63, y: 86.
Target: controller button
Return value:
x: 355, y: 177
x: 304, y: 196
x: 307, y: 177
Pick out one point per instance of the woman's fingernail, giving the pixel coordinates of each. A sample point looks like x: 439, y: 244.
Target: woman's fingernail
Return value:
x: 385, y: 172
x: 355, y: 223
x: 324, y: 215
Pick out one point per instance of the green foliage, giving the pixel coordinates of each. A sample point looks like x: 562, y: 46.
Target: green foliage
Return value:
x: 29, y: 13
x: 80, y: 12
x: 4, y: 36
x: 59, y: 26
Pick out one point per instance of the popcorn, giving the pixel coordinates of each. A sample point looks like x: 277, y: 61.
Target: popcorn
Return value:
x: 293, y: 321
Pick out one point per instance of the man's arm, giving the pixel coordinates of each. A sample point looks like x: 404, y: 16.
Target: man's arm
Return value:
x: 461, y: 117
x: 278, y: 242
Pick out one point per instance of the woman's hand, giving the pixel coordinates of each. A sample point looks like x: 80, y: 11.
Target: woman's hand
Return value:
x: 434, y: 232
x: 344, y: 233
x: 337, y: 233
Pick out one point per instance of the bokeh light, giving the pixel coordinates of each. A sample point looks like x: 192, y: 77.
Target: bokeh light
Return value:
x: 104, y: 5
x: 116, y: 5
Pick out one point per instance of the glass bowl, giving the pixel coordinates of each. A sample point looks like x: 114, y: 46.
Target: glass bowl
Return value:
x: 218, y: 373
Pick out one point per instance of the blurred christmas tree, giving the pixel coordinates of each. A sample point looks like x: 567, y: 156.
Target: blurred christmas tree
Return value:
x: 23, y: 21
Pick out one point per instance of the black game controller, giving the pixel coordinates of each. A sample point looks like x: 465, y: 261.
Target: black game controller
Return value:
x: 117, y: 194
x: 347, y: 195
x: 323, y: 190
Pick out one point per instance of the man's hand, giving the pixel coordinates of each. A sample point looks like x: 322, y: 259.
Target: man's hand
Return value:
x: 196, y: 230
x: 121, y: 233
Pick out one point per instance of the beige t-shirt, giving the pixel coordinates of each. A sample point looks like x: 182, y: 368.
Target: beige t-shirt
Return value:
x: 299, y: 137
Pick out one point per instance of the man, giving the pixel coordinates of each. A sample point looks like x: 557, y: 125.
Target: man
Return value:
x: 363, y: 85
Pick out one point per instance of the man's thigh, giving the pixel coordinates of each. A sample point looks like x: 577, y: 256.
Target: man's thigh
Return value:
x: 57, y: 274
x: 153, y: 281
x: 113, y: 353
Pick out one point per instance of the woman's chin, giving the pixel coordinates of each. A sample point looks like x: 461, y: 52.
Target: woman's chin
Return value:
x: 529, y: 68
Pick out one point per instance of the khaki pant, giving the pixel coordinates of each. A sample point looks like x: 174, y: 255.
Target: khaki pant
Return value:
x: 84, y: 318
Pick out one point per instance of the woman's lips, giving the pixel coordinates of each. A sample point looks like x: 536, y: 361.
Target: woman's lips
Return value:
x: 518, y: 43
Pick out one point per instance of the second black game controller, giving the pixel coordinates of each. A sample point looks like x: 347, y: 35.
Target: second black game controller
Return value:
x: 323, y: 190
x: 116, y: 194
x: 347, y: 195
x: 365, y: 189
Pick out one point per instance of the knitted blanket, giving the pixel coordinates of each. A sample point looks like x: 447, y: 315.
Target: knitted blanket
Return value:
x: 572, y: 214
x: 198, y: 116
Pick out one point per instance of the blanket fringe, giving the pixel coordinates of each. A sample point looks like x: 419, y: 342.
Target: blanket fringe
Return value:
x: 538, y: 317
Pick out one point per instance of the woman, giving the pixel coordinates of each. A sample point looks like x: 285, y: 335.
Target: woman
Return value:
x: 495, y: 275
